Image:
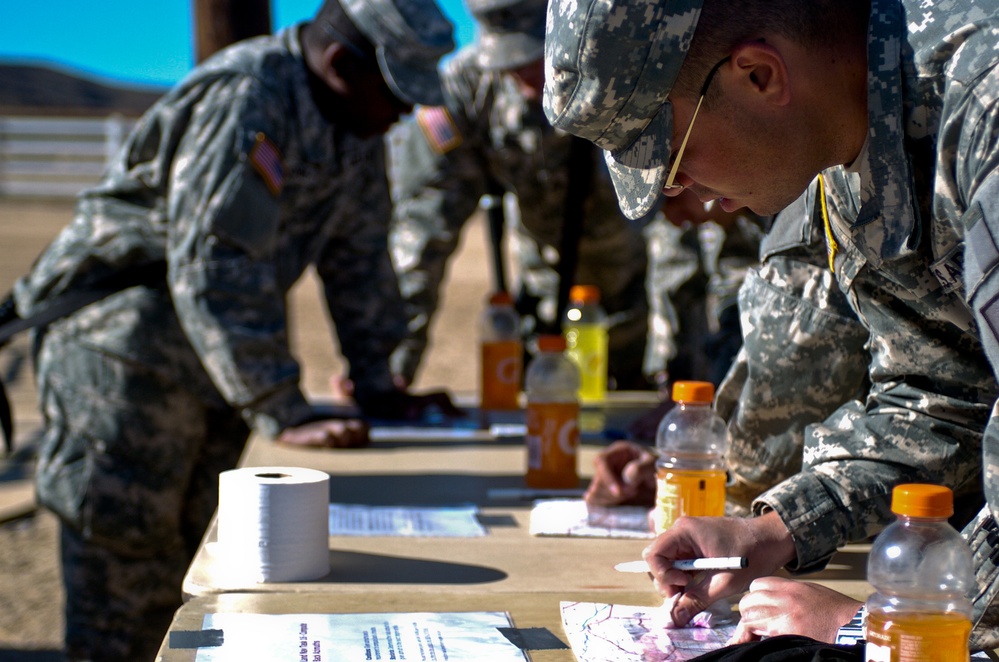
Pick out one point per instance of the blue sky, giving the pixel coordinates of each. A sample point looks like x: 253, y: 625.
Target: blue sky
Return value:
x: 133, y: 41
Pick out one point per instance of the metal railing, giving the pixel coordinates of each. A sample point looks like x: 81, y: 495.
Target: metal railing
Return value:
x: 56, y: 157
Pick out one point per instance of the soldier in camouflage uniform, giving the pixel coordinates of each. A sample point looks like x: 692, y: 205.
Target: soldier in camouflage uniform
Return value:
x: 492, y: 128
x: 267, y: 159
x: 903, y: 96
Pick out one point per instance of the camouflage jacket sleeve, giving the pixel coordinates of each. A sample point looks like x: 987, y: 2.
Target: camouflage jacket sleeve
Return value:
x: 803, y: 356
x: 978, y: 174
x: 931, y: 393
x: 920, y: 421
x: 438, y: 175
x: 222, y: 267
x: 368, y: 327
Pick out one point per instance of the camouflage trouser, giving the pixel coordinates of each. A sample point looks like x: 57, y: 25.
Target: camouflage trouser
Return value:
x: 130, y: 464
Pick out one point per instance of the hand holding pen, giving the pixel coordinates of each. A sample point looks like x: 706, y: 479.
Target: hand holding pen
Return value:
x: 763, y: 541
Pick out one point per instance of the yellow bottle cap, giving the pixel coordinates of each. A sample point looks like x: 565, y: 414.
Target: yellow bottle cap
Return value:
x: 584, y: 293
x: 694, y: 392
x: 920, y: 500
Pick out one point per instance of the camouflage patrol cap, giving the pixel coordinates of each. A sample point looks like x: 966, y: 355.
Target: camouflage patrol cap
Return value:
x: 410, y: 37
x: 511, y: 32
x: 609, y: 65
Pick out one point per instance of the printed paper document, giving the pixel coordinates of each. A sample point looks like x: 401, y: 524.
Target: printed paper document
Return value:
x: 446, y: 522
x: 455, y: 637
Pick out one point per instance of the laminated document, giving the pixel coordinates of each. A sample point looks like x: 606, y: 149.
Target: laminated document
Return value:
x: 455, y: 637
x: 405, y: 521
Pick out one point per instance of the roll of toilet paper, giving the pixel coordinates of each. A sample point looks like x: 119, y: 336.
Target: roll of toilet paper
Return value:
x: 273, y: 523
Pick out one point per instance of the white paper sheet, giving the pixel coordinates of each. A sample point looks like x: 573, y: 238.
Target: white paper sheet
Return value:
x: 413, y: 522
x: 572, y: 517
x: 455, y: 637
x: 610, y: 633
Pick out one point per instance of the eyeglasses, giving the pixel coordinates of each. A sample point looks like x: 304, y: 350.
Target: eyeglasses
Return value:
x: 679, y: 153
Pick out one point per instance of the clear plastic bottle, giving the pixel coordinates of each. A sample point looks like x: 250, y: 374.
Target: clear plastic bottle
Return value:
x: 921, y: 571
x: 585, y: 332
x: 692, y: 441
x: 502, y: 354
x: 552, y: 438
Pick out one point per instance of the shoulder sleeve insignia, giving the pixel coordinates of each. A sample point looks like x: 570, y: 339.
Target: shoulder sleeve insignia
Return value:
x: 438, y: 128
x: 266, y: 160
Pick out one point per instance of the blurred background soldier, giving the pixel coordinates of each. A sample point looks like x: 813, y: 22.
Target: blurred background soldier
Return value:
x: 492, y: 139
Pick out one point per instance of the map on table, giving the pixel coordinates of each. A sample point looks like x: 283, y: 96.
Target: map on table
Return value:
x: 601, y: 632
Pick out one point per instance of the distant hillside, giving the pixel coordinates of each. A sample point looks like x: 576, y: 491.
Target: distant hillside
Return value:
x: 40, y: 90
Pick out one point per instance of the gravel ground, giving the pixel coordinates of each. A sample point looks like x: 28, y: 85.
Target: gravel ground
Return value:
x: 31, y: 622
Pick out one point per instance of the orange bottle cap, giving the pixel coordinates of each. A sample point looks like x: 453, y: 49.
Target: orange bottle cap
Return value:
x: 694, y: 392
x: 551, y: 343
x: 920, y: 500
x: 500, y: 298
x: 584, y: 293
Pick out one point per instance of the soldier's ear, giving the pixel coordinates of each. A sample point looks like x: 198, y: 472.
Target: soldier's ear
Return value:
x: 335, y: 64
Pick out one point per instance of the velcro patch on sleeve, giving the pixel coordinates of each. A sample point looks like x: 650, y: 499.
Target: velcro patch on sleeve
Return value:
x: 265, y: 158
x: 439, y: 128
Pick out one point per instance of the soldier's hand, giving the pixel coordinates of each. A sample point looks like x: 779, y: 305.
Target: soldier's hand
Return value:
x: 776, y: 606
x: 328, y: 433
x: 623, y: 474
x: 764, y: 541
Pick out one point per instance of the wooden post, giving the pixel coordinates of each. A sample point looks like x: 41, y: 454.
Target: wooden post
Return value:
x: 218, y: 23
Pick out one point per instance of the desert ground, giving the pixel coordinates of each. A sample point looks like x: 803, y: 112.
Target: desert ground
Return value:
x: 31, y: 621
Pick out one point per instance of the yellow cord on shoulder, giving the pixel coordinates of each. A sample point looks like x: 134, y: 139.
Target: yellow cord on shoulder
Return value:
x: 831, y: 246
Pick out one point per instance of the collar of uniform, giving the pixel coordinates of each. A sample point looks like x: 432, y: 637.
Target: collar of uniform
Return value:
x: 313, y: 151
x: 887, y: 225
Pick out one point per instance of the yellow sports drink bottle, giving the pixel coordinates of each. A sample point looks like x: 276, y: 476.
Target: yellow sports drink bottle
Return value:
x: 585, y: 330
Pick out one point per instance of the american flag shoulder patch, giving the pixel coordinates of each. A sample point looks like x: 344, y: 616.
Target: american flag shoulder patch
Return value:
x: 438, y: 128
x: 266, y: 160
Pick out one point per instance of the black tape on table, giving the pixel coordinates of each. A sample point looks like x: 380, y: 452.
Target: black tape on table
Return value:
x: 196, y: 638
x: 535, y: 639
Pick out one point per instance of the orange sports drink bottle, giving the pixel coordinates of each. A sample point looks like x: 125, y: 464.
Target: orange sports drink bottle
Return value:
x: 552, y: 438
x: 502, y: 354
x: 691, y: 442
x: 921, y: 571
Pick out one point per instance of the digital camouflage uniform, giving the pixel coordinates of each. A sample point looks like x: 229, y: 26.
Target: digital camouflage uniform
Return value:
x: 441, y: 167
x: 697, y: 270
x: 237, y: 182
x: 505, y: 137
x: 915, y: 228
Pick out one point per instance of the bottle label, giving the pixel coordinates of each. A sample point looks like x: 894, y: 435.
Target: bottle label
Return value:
x: 696, y: 493
x: 552, y: 441
x: 916, y: 637
x: 586, y: 346
x: 502, y: 366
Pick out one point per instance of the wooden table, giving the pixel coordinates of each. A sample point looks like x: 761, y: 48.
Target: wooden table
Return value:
x: 507, y: 570
x: 437, y: 472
